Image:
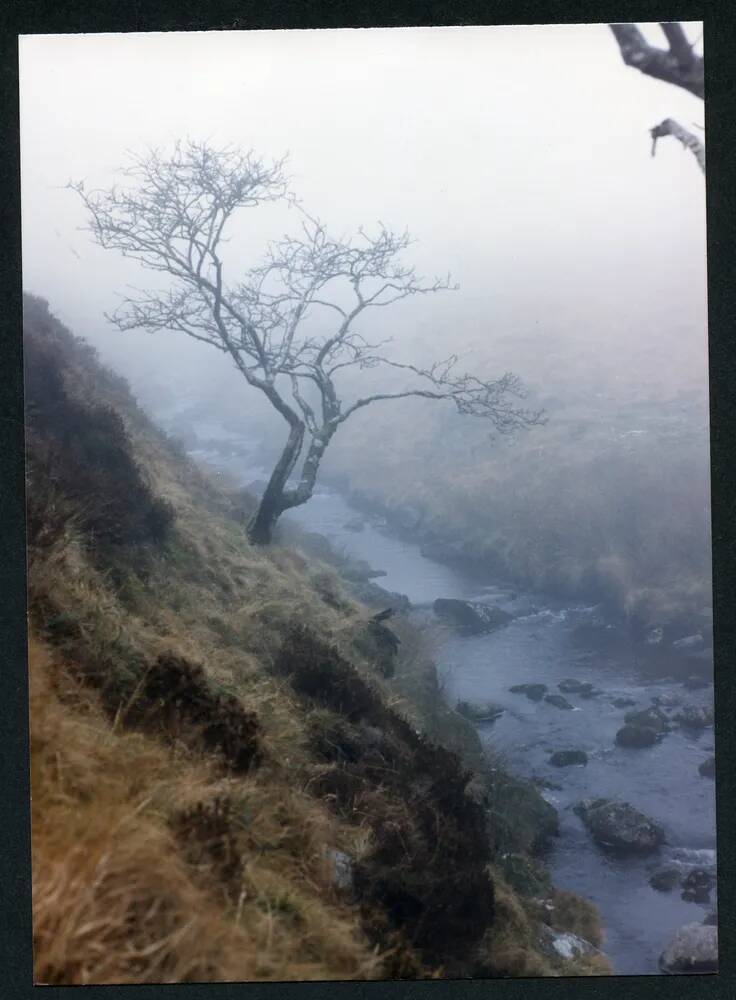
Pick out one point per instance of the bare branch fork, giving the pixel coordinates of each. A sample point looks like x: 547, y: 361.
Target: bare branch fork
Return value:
x: 290, y: 324
x: 688, y: 139
x: 678, y: 64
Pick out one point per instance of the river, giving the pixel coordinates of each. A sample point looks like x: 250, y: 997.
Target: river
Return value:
x: 545, y: 643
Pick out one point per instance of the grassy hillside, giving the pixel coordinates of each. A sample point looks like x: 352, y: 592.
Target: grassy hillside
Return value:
x: 607, y: 502
x: 225, y: 785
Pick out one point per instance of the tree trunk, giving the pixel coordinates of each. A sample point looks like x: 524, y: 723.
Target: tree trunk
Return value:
x: 273, y: 502
x: 260, y: 529
x: 276, y: 498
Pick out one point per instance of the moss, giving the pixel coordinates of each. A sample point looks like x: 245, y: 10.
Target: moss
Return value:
x: 173, y: 638
x: 82, y: 452
x: 429, y: 846
x: 523, y: 821
x: 508, y: 949
x: 575, y: 915
x: 526, y: 876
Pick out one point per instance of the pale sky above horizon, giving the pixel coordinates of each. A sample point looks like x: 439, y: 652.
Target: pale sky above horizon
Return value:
x: 517, y: 156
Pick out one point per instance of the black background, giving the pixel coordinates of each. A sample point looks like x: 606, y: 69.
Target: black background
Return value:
x: 37, y: 17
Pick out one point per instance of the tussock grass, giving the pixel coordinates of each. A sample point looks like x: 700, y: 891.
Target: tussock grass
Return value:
x: 156, y: 856
x: 576, y: 915
x: 608, y: 502
x: 511, y: 947
x: 508, y: 948
x: 117, y: 896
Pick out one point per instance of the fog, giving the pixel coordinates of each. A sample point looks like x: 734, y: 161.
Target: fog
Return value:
x: 571, y: 556
x: 519, y: 159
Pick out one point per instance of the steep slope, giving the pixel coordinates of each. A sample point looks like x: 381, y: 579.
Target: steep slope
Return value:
x: 224, y: 784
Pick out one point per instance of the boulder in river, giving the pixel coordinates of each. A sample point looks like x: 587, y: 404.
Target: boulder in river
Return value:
x: 358, y: 571
x: 623, y: 702
x: 695, y: 716
x: 558, y: 701
x: 697, y: 884
x: 708, y: 768
x: 571, y: 686
x: 590, y: 692
x: 667, y: 700
x: 471, y: 617
x: 480, y: 711
x: 693, y: 949
x: 651, y: 718
x: 371, y: 594
x: 636, y: 737
x: 567, y: 758
x: 619, y: 826
x: 533, y: 691
x: 665, y: 879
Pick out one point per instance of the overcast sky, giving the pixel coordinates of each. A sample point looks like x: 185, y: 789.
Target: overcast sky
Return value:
x: 517, y: 156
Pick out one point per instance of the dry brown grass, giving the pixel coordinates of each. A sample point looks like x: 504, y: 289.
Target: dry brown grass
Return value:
x: 576, y: 915
x: 151, y: 861
x: 508, y: 948
x: 511, y: 947
x: 115, y: 898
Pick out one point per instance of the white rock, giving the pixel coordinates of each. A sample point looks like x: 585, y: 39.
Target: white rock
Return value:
x: 342, y: 868
x: 693, y: 949
x: 564, y: 945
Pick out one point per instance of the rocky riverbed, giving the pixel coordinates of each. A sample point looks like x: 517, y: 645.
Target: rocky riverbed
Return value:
x: 617, y: 733
x: 583, y: 677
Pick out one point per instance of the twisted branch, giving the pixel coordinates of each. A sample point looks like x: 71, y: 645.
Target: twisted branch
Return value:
x: 688, y: 139
x: 678, y: 64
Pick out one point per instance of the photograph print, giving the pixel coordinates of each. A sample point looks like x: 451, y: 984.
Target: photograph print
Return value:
x: 368, y: 504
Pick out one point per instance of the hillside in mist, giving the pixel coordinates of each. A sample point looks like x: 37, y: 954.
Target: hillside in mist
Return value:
x: 608, y: 501
x: 580, y: 261
x: 224, y: 785
x: 368, y: 492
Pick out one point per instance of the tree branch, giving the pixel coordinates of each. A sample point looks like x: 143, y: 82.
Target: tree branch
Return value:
x: 672, y: 65
x: 472, y: 396
x: 680, y: 48
x: 690, y: 141
x: 279, y: 322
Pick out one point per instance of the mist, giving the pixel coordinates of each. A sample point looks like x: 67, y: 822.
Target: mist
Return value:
x: 519, y: 160
x: 543, y: 563
x: 518, y: 157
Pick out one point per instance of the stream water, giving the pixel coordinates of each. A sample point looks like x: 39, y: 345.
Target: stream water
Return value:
x: 545, y: 643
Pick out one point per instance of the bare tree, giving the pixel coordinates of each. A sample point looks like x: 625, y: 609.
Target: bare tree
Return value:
x: 678, y: 64
x: 290, y: 324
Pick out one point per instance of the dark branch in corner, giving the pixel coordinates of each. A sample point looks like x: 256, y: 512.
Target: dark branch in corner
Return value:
x: 690, y: 141
x: 678, y: 64
x: 680, y: 48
